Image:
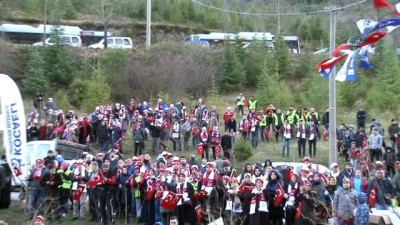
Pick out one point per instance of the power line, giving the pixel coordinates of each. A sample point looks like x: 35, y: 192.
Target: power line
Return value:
x: 325, y: 10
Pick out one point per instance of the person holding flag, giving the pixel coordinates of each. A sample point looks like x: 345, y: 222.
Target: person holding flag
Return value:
x: 306, y: 200
x: 259, y: 212
x: 275, y: 196
x: 36, y: 191
x: 380, y: 191
x: 95, y: 187
x: 50, y: 182
x: 234, y: 203
x: 291, y: 191
x: 79, y: 178
x: 185, y: 209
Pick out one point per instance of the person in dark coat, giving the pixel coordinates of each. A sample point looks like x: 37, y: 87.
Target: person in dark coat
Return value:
x: 306, y: 200
x: 5, y: 184
x: 276, y: 213
x: 50, y: 182
x: 217, y: 199
x: 102, y: 136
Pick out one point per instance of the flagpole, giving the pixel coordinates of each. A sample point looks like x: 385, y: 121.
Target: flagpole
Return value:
x: 332, y: 90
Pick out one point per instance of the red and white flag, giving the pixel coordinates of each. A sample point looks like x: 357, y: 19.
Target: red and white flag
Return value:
x: 298, y: 211
x: 279, y: 195
x: 328, y: 63
x: 150, y: 190
x: 198, y: 214
x: 324, y: 179
x: 372, y: 197
x: 170, y: 201
x: 373, y: 38
x: 78, y: 192
x: 17, y: 171
x: 159, y: 190
x: 243, y: 188
x: 341, y: 47
x: 99, y: 178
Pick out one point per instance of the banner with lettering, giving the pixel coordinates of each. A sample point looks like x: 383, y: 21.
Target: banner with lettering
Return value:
x: 14, y: 124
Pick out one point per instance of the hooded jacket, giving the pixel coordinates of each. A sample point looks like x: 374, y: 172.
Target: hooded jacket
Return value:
x: 345, y: 202
x: 362, y: 214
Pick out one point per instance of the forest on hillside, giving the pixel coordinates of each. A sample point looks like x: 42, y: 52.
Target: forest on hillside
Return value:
x: 82, y: 79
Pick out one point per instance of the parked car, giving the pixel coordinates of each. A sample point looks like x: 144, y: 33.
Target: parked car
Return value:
x: 114, y: 42
x: 72, y: 40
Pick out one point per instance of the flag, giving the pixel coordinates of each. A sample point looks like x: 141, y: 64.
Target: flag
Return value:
x: 78, y: 192
x: 372, y: 197
x: 217, y: 150
x: 336, y: 52
x: 329, y: 63
x: 298, y: 211
x: 198, y: 214
x: 201, y: 194
x: 143, y: 178
x: 372, y: 38
x: 17, y: 171
x: 324, y: 179
x: 364, y: 62
x: 390, y: 24
x: 150, y: 190
x: 348, y: 70
x: 170, y: 201
x: 381, y: 4
x: 99, y: 178
x: 200, y: 149
x: 366, y: 25
x: 243, y: 188
x: 288, y: 174
x: 159, y: 190
x: 233, y: 174
x: 326, y: 72
x: 279, y: 195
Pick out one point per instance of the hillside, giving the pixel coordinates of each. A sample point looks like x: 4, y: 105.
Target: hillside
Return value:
x: 175, y: 19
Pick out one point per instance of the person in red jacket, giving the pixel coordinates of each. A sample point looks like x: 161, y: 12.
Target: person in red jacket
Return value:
x: 227, y: 117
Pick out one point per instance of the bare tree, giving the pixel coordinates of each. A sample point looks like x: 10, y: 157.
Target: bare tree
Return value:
x: 106, y: 11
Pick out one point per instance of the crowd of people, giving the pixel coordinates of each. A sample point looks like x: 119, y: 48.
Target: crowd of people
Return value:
x: 112, y: 185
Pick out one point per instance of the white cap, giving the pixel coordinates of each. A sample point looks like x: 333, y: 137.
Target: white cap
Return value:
x: 334, y: 164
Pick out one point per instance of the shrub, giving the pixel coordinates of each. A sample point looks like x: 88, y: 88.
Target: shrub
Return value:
x: 242, y: 150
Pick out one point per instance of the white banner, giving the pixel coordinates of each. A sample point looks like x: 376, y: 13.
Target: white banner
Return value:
x: 14, y: 123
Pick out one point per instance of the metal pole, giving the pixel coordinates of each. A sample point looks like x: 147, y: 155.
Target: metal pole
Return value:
x: 279, y: 19
x: 148, y: 25
x: 44, y: 22
x: 332, y: 92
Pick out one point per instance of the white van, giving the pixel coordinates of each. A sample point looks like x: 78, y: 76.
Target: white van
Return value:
x: 72, y: 40
x: 114, y: 42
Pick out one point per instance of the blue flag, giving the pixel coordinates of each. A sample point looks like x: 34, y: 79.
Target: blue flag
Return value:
x: 326, y: 72
x: 382, y: 24
x: 364, y: 62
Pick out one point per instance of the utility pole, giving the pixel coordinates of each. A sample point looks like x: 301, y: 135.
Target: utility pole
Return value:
x: 44, y: 22
x: 332, y: 90
x: 279, y: 19
x: 148, y: 25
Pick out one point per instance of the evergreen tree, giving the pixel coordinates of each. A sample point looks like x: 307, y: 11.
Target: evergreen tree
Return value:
x: 35, y: 77
x: 271, y: 90
x: 385, y: 91
x: 282, y: 58
x: 59, y: 65
x: 98, y: 91
x: 232, y: 75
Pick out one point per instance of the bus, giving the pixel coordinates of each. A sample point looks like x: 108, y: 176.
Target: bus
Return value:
x: 215, y: 40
